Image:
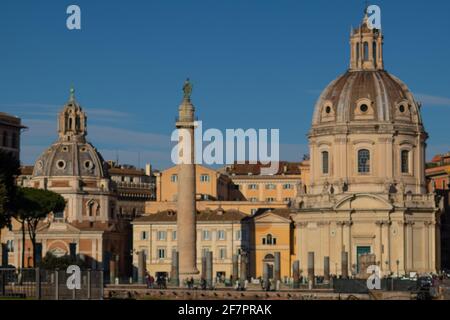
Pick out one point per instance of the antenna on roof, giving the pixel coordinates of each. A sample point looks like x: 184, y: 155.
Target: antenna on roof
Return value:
x: 139, y: 159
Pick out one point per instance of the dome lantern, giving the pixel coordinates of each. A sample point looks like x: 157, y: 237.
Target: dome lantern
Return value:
x: 366, y: 47
x: 72, y: 121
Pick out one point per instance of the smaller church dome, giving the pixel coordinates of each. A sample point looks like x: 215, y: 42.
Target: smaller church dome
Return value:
x: 70, y: 159
x: 71, y: 155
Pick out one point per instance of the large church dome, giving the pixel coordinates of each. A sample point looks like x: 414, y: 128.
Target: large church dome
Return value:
x: 367, y: 133
x: 366, y: 95
x: 71, y: 155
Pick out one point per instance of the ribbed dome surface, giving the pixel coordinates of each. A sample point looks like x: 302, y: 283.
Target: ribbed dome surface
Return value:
x: 386, y: 97
x: 70, y: 159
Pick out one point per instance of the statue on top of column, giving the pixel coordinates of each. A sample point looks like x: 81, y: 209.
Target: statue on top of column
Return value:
x: 187, y: 89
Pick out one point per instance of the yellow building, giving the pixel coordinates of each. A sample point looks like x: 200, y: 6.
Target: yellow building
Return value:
x: 211, y: 185
x: 253, y: 186
x: 271, y: 232
x: 224, y: 233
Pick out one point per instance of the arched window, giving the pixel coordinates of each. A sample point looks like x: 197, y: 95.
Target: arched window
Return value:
x: 405, y: 161
x: 366, y: 51
x: 374, y: 52
x: 325, y: 162
x: 70, y: 123
x: 357, y: 52
x: 91, y: 209
x: 363, y: 161
x: 269, y: 240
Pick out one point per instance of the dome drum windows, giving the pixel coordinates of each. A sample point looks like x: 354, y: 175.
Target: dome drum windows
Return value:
x: 405, y: 161
x: 363, y: 161
x: 325, y: 162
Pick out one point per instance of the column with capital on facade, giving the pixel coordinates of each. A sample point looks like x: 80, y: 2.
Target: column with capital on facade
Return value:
x: 430, y: 230
x: 302, y: 245
x: 409, y: 246
x: 339, y: 246
x: 379, y: 254
x: 349, y: 224
x: 385, y: 231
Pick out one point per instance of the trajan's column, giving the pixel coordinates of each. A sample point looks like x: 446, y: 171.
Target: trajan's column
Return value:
x: 186, y: 211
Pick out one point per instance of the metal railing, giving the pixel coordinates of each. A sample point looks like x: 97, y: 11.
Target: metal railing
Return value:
x: 42, y: 284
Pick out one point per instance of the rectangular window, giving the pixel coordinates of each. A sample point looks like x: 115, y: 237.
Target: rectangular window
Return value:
x: 238, y: 235
x: 363, y: 161
x: 174, y: 235
x: 270, y: 186
x: 206, y: 235
x: 325, y: 162
x: 221, y: 235
x: 405, y: 161
x: 222, y: 253
x: 161, y: 253
x: 253, y: 199
x: 174, y: 178
x: 204, y: 178
x: 253, y: 187
x: 287, y: 186
x: 10, y: 245
x: 144, y: 235
x: 270, y: 199
x: 287, y: 199
x: 161, y: 235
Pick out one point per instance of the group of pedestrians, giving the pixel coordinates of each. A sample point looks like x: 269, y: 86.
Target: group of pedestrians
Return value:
x: 161, y: 281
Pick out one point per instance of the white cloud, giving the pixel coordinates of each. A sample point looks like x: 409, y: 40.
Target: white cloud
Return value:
x: 429, y: 100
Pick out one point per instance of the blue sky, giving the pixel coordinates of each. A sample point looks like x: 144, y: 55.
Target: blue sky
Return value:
x: 254, y: 64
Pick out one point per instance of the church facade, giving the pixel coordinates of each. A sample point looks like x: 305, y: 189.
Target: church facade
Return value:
x: 90, y: 227
x: 367, y: 192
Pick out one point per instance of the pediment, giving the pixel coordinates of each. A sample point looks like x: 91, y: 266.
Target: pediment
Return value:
x: 59, y: 227
x: 270, y: 217
x: 363, y: 202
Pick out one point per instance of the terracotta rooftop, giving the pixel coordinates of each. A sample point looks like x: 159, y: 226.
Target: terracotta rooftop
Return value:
x: 203, y: 216
x: 284, y: 168
x: 126, y: 171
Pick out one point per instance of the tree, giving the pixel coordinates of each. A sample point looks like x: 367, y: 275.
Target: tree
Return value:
x: 33, y: 206
x: 9, y: 169
x: 52, y: 262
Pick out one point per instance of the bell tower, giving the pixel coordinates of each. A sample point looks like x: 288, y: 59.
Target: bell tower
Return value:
x: 72, y: 121
x: 366, y: 47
